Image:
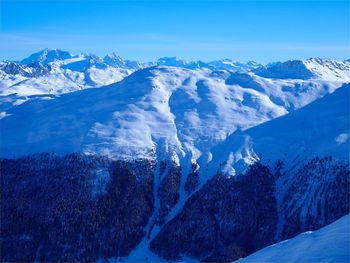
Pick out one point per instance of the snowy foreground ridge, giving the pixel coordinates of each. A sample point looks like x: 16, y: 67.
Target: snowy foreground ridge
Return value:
x: 105, y: 159
x: 328, y: 244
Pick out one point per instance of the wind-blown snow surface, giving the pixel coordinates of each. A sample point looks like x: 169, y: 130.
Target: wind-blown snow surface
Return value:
x: 318, y: 129
x: 174, y: 112
x: 328, y: 244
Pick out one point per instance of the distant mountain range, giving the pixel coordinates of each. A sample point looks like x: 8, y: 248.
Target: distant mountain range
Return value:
x: 55, y: 71
x: 48, y: 56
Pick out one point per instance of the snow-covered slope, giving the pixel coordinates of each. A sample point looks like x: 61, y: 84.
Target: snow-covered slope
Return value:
x: 317, y: 130
x: 300, y: 133
x: 182, y: 110
x: 64, y: 81
x: 329, y: 69
x: 311, y: 68
x: 328, y: 244
x: 228, y: 64
x: 172, y: 111
x: 56, y: 72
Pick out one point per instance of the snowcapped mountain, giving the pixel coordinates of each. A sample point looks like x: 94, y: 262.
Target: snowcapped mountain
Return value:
x: 34, y: 69
x: 57, y: 72
x: 114, y: 60
x: 223, y: 64
x: 326, y: 120
x: 328, y: 244
x: 228, y: 64
x: 177, y: 62
x: 310, y: 68
x: 169, y: 160
x: 46, y: 56
x: 267, y: 201
x: 165, y: 110
x: 53, y: 71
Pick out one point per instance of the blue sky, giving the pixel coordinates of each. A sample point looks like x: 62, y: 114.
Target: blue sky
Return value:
x: 145, y: 30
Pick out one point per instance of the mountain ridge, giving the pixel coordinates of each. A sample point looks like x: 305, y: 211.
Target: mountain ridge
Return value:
x: 181, y: 96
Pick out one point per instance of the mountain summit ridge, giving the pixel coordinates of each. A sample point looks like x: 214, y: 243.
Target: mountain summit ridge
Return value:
x: 53, y: 71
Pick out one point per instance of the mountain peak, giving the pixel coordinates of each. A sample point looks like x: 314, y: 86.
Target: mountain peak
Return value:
x: 113, y: 55
x: 114, y: 59
x: 285, y: 70
x: 46, y: 56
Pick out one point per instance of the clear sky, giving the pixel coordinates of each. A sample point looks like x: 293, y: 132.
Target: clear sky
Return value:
x: 193, y: 29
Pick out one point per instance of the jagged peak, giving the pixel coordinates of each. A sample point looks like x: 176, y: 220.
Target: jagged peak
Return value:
x: 113, y: 55
x: 114, y: 59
